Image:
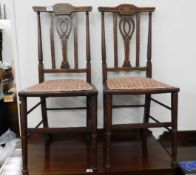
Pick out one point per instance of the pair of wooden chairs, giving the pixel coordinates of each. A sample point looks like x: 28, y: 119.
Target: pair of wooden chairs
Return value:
x: 64, y: 26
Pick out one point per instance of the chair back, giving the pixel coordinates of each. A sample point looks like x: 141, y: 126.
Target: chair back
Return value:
x: 126, y: 23
x: 63, y: 30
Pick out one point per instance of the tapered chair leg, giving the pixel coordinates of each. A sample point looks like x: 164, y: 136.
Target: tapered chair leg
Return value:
x: 93, y: 115
x: 44, y: 112
x: 88, y: 116
x: 174, y: 114
x: 104, y: 113
x: 23, y: 122
x: 45, y: 117
x: 147, y: 108
x: 108, y: 128
x: 144, y: 131
x: 146, y: 113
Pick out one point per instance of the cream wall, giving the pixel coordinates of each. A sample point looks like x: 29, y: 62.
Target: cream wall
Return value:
x: 173, y: 56
x: 7, y: 52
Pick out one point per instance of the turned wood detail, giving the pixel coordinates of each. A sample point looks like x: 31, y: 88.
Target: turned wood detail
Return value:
x: 52, y: 45
x: 40, y: 50
x: 64, y: 27
x: 127, y: 27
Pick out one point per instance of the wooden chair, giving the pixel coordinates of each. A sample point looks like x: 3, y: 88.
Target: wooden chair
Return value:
x: 126, y: 21
x: 63, y: 26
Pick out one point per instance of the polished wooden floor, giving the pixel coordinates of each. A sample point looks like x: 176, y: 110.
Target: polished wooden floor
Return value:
x: 73, y: 156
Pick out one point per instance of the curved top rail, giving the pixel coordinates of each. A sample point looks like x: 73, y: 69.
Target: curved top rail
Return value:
x: 62, y: 8
x: 126, y: 9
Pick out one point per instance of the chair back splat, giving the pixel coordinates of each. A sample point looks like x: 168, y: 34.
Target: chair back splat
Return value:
x: 126, y: 21
x: 63, y: 63
x: 63, y: 25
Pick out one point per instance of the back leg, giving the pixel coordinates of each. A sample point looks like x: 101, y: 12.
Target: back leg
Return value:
x: 145, y: 120
x: 147, y: 108
x: 45, y: 116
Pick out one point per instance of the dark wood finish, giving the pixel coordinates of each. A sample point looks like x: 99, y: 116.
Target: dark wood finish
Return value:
x: 158, y: 102
x: 186, y: 145
x: 126, y: 69
x: 64, y: 22
x: 52, y: 71
x: 88, y: 54
x: 40, y: 50
x: 72, y: 156
x: 137, y: 39
x: 44, y: 112
x: 35, y: 106
x: 184, y: 138
x: 149, y: 48
x: 108, y: 128
x: 47, y: 160
x: 52, y: 41
x: 23, y: 123
x: 147, y: 108
x: 62, y: 8
x: 115, y: 18
x: 126, y: 9
x: 64, y: 34
x: 126, y: 27
x: 128, y: 23
x: 75, y: 40
x: 174, y: 115
x: 103, y: 48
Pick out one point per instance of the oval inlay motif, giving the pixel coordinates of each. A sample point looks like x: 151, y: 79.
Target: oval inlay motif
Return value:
x: 127, y: 27
x: 64, y: 26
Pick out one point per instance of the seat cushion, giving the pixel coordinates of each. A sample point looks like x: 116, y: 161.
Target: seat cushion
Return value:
x: 136, y: 83
x: 61, y: 86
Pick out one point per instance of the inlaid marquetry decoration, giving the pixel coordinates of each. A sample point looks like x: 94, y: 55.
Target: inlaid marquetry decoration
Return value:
x: 126, y: 27
x: 64, y: 27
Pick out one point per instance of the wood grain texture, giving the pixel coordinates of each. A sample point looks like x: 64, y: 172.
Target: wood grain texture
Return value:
x: 126, y: 9
x: 129, y: 19
x: 63, y: 19
x: 62, y: 8
x: 72, y: 156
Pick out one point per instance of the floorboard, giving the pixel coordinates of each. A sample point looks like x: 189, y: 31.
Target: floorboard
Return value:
x: 73, y: 156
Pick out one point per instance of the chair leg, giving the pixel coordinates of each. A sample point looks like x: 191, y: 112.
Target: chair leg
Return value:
x: 143, y: 131
x: 174, y: 114
x: 44, y: 116
x: 44, y: 112
x: 147, y: 108
x: 108, y: 128
x: 88, y: 116
x: 23, y: 123
x: 104, y: 113
x: 146, y: 112
x: 93, y: 115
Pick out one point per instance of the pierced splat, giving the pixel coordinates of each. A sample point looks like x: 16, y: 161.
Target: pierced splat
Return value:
x: 126, y: 21
x: 127, y: 27
x: 64, y: 27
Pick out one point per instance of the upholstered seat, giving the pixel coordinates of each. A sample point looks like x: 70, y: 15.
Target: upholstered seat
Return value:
x: 61, y: 86
x: 136, y: 83
x: 64, y: 28
x: 126, y: 22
